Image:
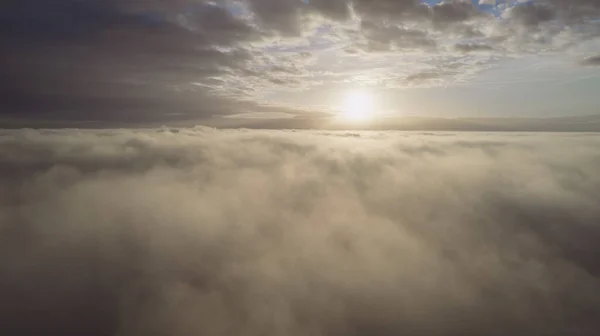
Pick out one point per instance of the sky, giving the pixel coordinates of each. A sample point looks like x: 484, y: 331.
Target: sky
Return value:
x: 299, y: 167
x: 151, y: 62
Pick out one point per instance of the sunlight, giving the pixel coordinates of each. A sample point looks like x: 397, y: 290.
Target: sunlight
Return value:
x: 357, y: 106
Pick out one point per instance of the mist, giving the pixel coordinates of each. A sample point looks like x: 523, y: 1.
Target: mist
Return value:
x: 244, y: 232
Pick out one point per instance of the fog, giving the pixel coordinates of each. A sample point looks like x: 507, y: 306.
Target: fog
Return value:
x: 245, y: 232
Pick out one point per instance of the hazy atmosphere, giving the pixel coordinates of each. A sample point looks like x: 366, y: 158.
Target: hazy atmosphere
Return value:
x: 298, y: 63
x: 205, y: 232
x: 299, y: 167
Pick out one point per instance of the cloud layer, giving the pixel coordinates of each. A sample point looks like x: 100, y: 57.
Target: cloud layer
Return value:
x: 132, y: 60
x: 205, y: 232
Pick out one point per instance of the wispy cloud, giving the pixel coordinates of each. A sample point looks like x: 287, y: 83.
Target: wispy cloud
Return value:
x: 132, y: 60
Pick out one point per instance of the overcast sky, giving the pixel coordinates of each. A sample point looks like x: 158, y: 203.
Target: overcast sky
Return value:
x: 186, y: 61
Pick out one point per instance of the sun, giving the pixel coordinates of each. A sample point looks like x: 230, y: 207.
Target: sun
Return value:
x: 357, y: 106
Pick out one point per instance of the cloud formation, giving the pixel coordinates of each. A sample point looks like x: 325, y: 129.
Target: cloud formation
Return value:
x: 592, y: 60
x: 131, y: 60
x: 206, y: 232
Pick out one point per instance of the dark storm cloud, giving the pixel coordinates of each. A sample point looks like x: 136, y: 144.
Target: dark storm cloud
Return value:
x: 204, y: 232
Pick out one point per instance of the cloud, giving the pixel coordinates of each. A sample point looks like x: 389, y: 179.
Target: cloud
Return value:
x: 425, y: 76
x: 132, y: 61
x: 381, y: 37
x: 533, y: 14
x: 199, y: 231
x: 470, y: 47
x: 390, y: 9
x: 70, y: 55
x: 592, y: 60
x: 453, y: 11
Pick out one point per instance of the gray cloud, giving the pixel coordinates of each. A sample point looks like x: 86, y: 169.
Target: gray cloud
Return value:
x: 382, y: 37
x: 449, y: 12
x: 576, y: 9
x: 282, y: 16
x: 335, y: 9
x: 536, y: 12
x: 113, y: 59
x: 392, y: 15
x: 147, y: 60
x: 592, y: 60
x: 424, y: 76
x: 469, y: 47
x: 391, y: 9
x: 533, y: 14
x: 198, y: 231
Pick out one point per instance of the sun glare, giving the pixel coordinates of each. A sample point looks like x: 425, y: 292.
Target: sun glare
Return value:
x: 357, y: 106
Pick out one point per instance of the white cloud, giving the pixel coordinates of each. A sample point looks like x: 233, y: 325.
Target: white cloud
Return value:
x: 454, y: 31
x: 199, y: 231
